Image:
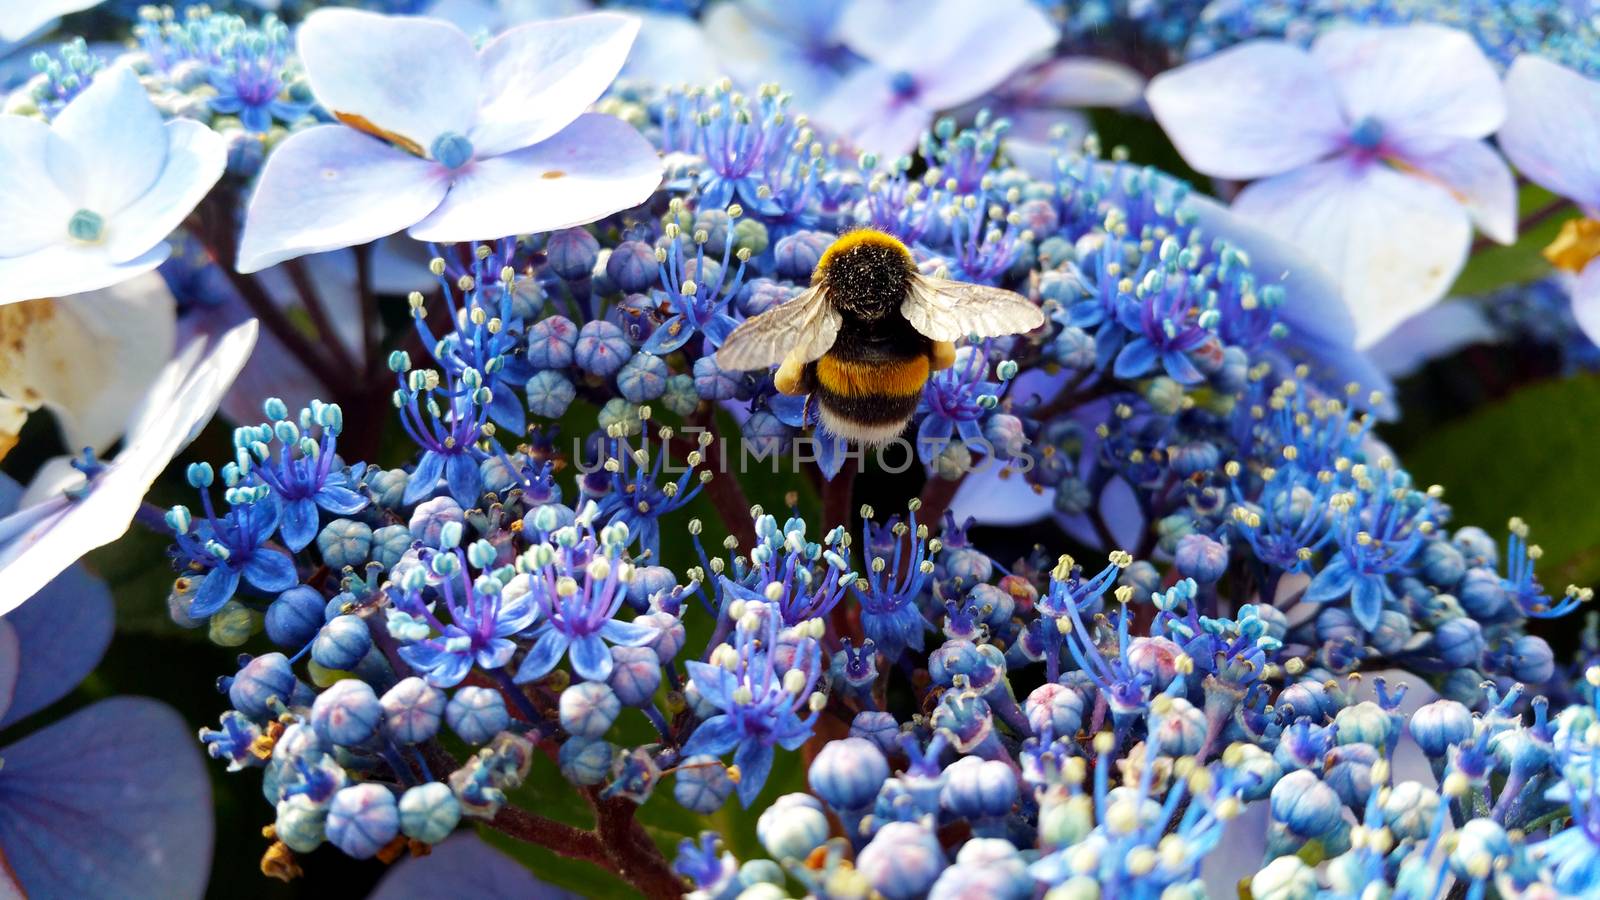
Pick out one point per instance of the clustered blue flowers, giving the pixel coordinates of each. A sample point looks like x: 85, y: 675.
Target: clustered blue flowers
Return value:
x: 564, y: 565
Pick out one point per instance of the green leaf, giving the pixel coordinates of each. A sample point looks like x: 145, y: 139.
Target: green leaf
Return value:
x: 1497, y: 266
x: 1530, y: 455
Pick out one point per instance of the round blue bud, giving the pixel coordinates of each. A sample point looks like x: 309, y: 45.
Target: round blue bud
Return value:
x: 1437, y: 725
x: 551, y: 342
x: 792, y: 827
x: 602, y: 348
x: 261, y: 679
x: 761, y: 294
x: 1392, y: 633
x: 549, y: 394
x: 758, y: 874
x: 1201, y: 558
x: 1532, y: 661
x: 411, y: 710
x: 1479, y: 845
x: 878, y: 728
x: 1363, y: 723
x: 362, y: 819
x: 681, y: 396
x: 588, y: 709
x: 632, y: 266
x: 1056, y: 708
x: 301, y: 825
x: 584, y: 761
x: 1193, y: 458
x: 798, y: 254
x: 430, y: 518
x: 429, y: 812
x: 495, y: 475
x: 1306, y: 697
x: 976, y: 788
x: 848, y: 773
x: 1304, y: 805
x: 345, y: 542
x: 1337, y: 623
x: 1442, y: 564
x: 1459, y: 642
x: 295, y: 617
x: 477, y: 714
x: 643, y: 378
x: 1482, y: 594
x: 647, y: 582
x: 347, y: 713
x: 635, y: 674
x: 342, y: 643
x: 387, y: 486
x: 336, y: 606
x: 712, y: 382
x: 902, y: 861
x: 702, y: 784
x: 1476, y: 545
x: 572, y: 253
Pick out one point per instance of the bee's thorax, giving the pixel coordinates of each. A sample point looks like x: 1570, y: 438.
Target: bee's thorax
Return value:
x: 866, y: 274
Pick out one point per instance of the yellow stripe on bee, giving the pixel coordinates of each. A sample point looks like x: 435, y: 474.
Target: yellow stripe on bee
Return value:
x: 861, y: 237
x: 845, y: 378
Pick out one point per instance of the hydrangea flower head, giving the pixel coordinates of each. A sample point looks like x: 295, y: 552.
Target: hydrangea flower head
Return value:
x: 1553, y: 114
x: 445, y: 141
x: 1367, y: 151
x: 87, y: 200
x: 923, y: 58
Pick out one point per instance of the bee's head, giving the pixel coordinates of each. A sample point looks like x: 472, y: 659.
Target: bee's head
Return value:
x: 866, y: 273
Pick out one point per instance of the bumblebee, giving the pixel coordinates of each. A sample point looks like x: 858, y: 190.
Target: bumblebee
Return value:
x: 863, y: 339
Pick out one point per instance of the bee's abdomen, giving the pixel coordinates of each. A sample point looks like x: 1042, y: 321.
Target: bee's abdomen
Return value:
x: 868, y: 400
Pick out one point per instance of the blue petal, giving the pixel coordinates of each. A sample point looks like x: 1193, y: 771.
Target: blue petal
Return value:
x: 710, y: 681
x: 591, y: 659
x: 215, y: 589
x: 1366, y: 600
x: 61, y: 636
x: 461, y: 471
x: 830, y: 453
x: 627, y: 634
x: 271, y: 570
x: 341, y: 501
x: 1180, y: 368
x: 1334, y: 581
x: 715, y: 736
x: 718, y: 329
x: 1136, y: 359
x: 543, y: 656
x: 754, y: 760
x: 112, y: 801
x: 664, y: 339
x: 507, y: 410
x: 299, y: 523
x: 424, y: 479
x: 463, y: 866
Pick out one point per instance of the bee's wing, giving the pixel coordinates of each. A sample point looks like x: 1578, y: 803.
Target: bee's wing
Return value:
x: 806, y: 325
x: 947, y: 310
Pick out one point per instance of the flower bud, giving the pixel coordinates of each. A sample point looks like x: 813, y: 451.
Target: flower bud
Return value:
x: 362, y: 819
x: 429, y: 812
x: 477, y: 714
x: 589, y: 708
x: 792, y: 827
x: 847, y: 773
x: 342, y: 643
x: 412, y: 710
x: 347, y: 713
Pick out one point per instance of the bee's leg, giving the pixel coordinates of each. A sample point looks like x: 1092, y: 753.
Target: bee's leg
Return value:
x: 943, y: 355
x: 787, y: 379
